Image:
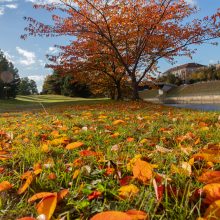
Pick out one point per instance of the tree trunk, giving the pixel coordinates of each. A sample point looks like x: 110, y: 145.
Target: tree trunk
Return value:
x: 135, y: 94
x: 118, y: 88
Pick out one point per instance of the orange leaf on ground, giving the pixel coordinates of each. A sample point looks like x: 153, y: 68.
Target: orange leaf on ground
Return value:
x: 5, y: 185
x: 74, y: 145
x: 94, y: 195
x: 117, y: 122
x: 39, y: 196
x: 111, y: 215
x: 25, y: 185
x: 212, y: 192
x: 62, y: 194
x: 213, y: 211
x: 210, y: 177
x: 47, y: 206
x: 137, y: 215
x: 142, y: 171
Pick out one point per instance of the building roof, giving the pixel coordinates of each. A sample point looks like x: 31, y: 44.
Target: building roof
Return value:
x: 187, y: 65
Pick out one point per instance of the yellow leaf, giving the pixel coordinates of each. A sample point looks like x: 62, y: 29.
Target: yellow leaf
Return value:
x: 74, y: 145
x: 76, y: 173
x: 27, y: 183
x: 142, y: 171
x: 47, y: 206
x: 5, y: 185
x: 128, y: 191
x: 45, y: 148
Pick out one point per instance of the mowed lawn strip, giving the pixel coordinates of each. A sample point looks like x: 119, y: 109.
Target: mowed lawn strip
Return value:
x: 41, y: 102
x: 80, y: 160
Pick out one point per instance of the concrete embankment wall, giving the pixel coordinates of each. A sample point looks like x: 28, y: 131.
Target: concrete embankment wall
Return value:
x: 205, y: 99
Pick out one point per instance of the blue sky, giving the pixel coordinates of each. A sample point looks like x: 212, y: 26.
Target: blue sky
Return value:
x: 29, y: 55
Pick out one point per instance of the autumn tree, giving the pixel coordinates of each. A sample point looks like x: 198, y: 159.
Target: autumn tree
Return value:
x: 136, y: 33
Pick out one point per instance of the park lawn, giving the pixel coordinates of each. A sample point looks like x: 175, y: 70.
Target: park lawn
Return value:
x: 41, y: 102
x: 122, y: 156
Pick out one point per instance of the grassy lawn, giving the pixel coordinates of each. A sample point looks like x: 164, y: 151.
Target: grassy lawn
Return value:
x: 75, y: 161
x: 22, y: 103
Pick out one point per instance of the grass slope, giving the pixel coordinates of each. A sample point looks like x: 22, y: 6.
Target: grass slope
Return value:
x: 121, y: 156
x: 22, y: 103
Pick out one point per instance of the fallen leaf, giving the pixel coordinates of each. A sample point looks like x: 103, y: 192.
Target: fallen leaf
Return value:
x: 142, y: 171
x: 5, y: 185
x: 62, y: 194
x: 111, y: 215
x: 213, y: 211
x: 137, y: 215
x: 74, y: 145
x: 210, y: 177
x: 47, y: 206
x: 27, y: 183
x: 39, y: 196
x: 94, y: 195
x: 117, y: 122
x: 211, y: 192
x: 76, y: 173
x: 128, y: 191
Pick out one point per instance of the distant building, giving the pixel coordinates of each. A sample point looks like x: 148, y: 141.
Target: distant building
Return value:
x: 184, y: 71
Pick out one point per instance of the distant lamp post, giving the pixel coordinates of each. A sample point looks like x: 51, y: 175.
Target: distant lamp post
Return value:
x: 7, y: 77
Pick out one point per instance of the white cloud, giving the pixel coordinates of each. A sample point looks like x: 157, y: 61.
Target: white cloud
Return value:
x: 37, y: 78
x: 192, y: 2
x: 28, y: 59
x: 10, y: 4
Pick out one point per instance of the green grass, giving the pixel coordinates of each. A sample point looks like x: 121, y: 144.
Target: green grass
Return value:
x: 22, y: 103
x: 162, y: 136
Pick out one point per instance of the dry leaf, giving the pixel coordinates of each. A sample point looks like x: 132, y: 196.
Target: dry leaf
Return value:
x: 128, y: 191
x: 137, y: 215
x: 74, y: 145
x: 117, y: 122
x: 5, y: 185
x: 142, y: 171
x: 62, y: 194
x: 39, y: 196
x: 111, y: 215
x: 210, y: 177
x: 212, y: 192
x: 47, y: 206
x: 27, y: 183
x: 213, y: 211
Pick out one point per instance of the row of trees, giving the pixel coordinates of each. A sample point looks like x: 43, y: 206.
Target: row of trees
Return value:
x: 120, y: 42
x: 10, y: 82
x: 59, y: 84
